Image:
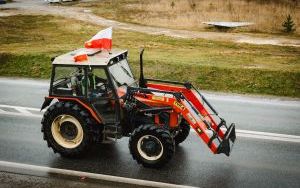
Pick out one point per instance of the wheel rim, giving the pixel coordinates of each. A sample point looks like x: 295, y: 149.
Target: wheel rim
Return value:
x: 67, y: 131
x: 150, y: 147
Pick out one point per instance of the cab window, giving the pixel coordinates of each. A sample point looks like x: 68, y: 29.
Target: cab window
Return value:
x: 121, y: 74
x: 68, y: 81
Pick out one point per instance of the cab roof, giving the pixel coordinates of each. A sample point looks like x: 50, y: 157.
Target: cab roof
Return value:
x: 96, y: 57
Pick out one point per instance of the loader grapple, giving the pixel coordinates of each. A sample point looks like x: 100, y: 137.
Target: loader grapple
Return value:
x: 228, y: 141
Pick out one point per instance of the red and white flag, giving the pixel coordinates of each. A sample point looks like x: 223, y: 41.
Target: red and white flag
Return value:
x: 102, y: 40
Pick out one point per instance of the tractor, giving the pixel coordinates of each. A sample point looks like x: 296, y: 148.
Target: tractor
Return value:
x: 100, y: 100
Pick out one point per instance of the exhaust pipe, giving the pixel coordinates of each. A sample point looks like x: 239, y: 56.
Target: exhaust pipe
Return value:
x: 142, y: 82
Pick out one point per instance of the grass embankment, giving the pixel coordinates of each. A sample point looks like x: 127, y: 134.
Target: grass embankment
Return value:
x: 28, y: 42
x: 268, y: 15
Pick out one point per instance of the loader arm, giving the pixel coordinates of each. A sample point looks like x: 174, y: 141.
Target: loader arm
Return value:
x: 196, y: 99
x: 204, y: 129
x: 193, y: 112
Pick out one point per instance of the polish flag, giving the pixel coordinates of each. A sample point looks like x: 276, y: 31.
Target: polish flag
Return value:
x: 102, y: 40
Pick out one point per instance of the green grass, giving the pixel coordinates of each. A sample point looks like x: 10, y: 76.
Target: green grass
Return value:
x: 30, y: 41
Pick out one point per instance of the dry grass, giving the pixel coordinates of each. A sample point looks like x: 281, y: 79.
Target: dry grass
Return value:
x: 268, y: 15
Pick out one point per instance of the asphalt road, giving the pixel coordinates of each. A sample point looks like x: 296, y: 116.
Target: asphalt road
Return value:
x: 254, y: 162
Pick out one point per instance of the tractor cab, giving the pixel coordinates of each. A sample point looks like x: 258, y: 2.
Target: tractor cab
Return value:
x: 98, y: 82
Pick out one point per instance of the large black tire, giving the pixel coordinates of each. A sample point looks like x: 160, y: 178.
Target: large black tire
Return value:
x: 183, y: 132
x: 72, y: 116
x: 151, y: 146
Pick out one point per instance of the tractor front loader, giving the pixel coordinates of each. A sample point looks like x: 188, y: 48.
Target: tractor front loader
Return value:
x: 100, y: 100
x: 193, y: 107
x: 182, y: 101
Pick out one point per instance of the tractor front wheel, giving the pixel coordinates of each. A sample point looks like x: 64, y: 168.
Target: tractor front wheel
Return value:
x: 151, y: 146
x: 67, y: 129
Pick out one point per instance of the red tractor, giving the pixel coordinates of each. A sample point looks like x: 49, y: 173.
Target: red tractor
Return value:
x: 100, y: 100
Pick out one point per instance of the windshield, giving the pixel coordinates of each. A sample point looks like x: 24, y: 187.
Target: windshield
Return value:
x: 122, y: 74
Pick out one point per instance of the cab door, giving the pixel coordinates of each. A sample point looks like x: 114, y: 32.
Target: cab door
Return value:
x: 101, y: 95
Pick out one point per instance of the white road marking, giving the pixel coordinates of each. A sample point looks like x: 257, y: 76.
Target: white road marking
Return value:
x: 18, y: 107
x: 21, y: 111
x: 24, y: 111
x: 264, y: 135
x: 285, y: 139
x: 268, y: 134
x: 20, y: 114
x: 20, y: 168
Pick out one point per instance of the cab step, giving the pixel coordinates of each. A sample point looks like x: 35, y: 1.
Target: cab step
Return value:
x: 112, y: 132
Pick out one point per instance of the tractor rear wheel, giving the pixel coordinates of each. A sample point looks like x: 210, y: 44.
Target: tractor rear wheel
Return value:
x: 151, y: 146
x: 67, y: 129
x: 183, y: 132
